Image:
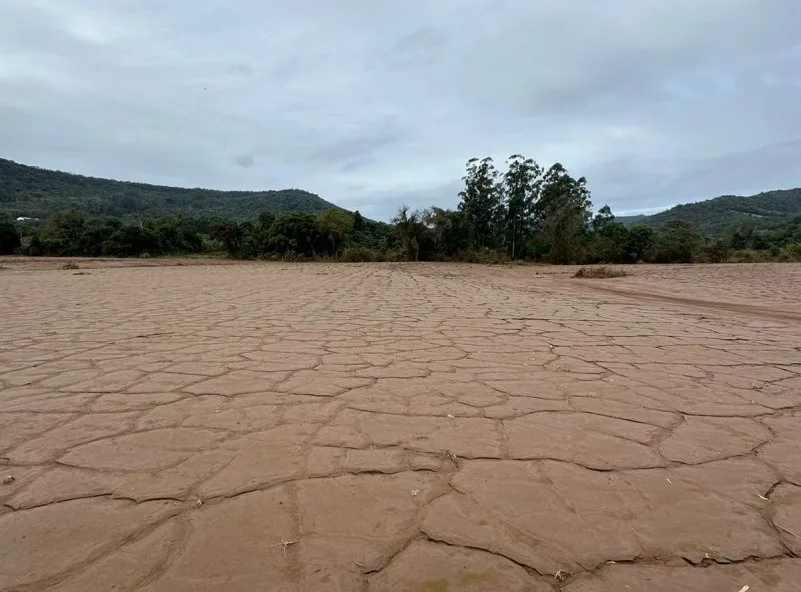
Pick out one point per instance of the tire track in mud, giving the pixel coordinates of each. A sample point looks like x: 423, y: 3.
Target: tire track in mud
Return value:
x: 731, y: 307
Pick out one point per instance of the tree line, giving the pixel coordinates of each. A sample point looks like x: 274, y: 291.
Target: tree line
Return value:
x: 531, y: 213
x: 333, y: 233
x: 526, y: 212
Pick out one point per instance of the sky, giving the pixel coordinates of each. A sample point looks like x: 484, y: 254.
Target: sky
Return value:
x: 376, y: 103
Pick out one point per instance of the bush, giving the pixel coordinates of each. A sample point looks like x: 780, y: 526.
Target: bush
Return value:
x: 792, y: 252
x: 601, y: 272
x: 715, y: 251
x: 748, y: 256
x: 470, y: 256
x: 486, y: 256
x: 393, y: 255
x: 360, y: 254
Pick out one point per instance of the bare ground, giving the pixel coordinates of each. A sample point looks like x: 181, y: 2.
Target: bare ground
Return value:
x: 391, y: 427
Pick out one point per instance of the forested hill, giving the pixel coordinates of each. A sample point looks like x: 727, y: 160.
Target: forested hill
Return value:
x: 767, y: 210
x: 36, y: 192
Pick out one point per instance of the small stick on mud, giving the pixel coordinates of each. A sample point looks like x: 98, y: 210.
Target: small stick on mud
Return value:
x: 146, y: 335
x: 283, y: 543
x: 787, y: 530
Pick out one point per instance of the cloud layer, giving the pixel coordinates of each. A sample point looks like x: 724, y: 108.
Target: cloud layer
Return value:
x: 372, y: 103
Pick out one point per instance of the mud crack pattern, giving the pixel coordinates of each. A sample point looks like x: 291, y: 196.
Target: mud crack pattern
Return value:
x: 399, y: 428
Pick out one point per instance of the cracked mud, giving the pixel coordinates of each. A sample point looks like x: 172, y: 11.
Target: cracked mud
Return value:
x: 427, y: 428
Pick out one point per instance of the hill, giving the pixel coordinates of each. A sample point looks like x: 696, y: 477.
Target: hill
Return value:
x: 36, y: 192
x: 629, y: 220
x: 768, y: 210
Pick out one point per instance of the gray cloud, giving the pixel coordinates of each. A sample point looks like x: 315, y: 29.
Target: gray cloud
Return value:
x: 245, y: 160
x: 374, y: 104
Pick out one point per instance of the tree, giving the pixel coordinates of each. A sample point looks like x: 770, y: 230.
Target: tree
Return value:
x: 251, y: 245
x: 562, y: 212
x: 9, y: 235
x: 716, y: 250
x: 61, y: 233
x: 130, y: 241
x: 95, y: 235
x: 296, y: 232
x: 481, y: 200
x: 740, y: 234
x: 676, y: 242
x: 358, y: 221
x: 173, y: 236
x: 610, y: 242
x: 609, y: 239
x: 409, y: 229
x: 266, y: 221
x: 449, y: 231
x: 602, y: 218
x: 521, y: 184
x: 335, y: 224
x: 640, y: 242
x: 229, y: 234
x: 199, y: 223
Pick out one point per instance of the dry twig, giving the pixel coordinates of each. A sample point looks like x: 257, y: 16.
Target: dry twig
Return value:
x: 787, y: 530
x: 283, y: 543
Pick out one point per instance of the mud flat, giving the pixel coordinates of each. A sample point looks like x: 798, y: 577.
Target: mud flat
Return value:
x: 398, y: 427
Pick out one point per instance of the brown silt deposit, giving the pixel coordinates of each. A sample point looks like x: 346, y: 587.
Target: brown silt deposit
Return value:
x: 236, y: 427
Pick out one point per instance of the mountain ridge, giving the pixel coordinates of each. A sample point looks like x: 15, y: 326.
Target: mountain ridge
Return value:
x: 36, y: 192
x: 767, y: 210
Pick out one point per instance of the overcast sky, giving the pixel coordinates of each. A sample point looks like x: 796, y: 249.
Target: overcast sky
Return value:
x: 374, y: 103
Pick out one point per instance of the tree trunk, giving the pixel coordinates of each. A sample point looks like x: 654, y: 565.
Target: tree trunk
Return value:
x: 514, y: 234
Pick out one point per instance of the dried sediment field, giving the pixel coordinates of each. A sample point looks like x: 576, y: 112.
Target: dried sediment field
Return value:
x: 399, y: 427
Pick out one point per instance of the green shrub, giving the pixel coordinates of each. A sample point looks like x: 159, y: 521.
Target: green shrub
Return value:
x: 600, y: 272
x: 748, y: 256
x: 360, y: 254
x: 792, y: 252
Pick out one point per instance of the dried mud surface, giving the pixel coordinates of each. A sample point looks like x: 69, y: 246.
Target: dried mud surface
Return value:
x: 394, y: 427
